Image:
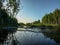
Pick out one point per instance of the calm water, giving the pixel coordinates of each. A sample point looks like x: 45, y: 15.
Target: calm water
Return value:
x: 35, y: 38
x: 32, y: 38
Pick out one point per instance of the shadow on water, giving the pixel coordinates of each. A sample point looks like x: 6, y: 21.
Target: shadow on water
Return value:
x: 44, y: 37
x: 53, y: 35
x: 5, y: 34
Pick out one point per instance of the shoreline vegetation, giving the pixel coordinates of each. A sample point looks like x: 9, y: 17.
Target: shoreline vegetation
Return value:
x: 49, y: 21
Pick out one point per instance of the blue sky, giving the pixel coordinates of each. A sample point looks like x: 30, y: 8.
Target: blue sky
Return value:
x: 35, y: 9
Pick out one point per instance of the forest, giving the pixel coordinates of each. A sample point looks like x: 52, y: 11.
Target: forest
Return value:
x: 52, y: 18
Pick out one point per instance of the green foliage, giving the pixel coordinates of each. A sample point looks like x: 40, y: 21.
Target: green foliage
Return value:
x: 8, y: 10
x: 11, y: 6
x: 13, y: 22
x: 49, y: 21
x: 57, y: 15
x: 6, y: 20
x: 36, y: 22
x: 14, y: 5
x: 28, y: 24
x: 52, y: 18
x: 45, y: 19
x: 21, y: 24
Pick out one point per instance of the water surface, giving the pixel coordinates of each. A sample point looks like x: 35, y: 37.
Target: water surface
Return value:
x: 28, y: 37
x: 32, y: 38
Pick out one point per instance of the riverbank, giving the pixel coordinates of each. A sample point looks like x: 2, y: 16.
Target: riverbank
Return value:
x: 52, y: 27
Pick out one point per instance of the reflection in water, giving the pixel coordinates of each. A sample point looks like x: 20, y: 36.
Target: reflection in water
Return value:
x: 31, y: 38
x: 6, y: 36
x: 3, y: 36
x: 28, y: 38
x: 55, y: 36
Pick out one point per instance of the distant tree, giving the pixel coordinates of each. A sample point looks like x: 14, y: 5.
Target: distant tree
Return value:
x: 28, y: 24
x: 21, y: 24
x: 36, y: 22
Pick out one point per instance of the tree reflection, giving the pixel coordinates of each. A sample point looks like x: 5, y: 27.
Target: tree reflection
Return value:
x: 4, y: 35
x: 53, y: 35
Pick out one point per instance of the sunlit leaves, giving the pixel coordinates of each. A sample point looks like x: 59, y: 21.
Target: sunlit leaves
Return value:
x: 52, y: 18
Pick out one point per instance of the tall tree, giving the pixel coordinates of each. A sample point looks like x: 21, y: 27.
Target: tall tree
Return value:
x: 56, y: 14
x: 52, y: 18
x: 11, y: 6
x: 9, y: 9
x: 45, y: 19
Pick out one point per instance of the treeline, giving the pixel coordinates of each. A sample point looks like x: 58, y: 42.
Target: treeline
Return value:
x: 52, y: 18
x: 49, y: 20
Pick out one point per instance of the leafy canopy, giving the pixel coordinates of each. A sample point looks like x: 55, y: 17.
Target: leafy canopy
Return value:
x: 11, y: 6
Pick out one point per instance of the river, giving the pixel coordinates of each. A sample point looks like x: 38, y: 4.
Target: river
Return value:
x: 36, y: 38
